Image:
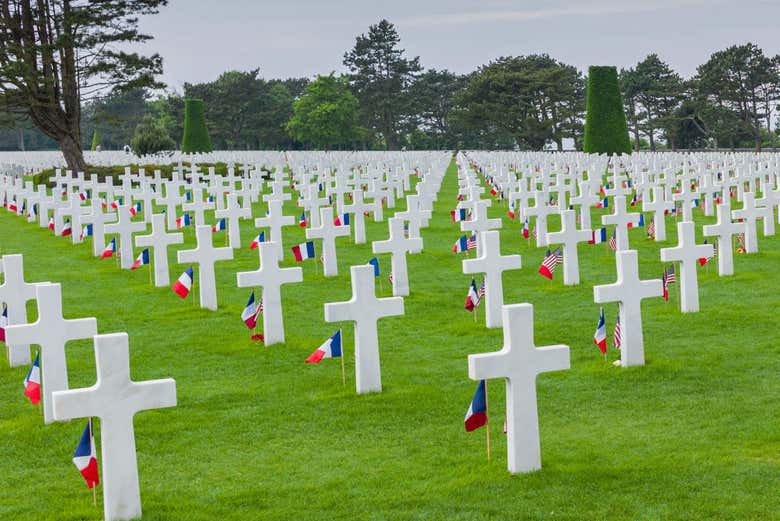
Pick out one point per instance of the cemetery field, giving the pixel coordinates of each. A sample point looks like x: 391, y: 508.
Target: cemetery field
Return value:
x: 258, y: 434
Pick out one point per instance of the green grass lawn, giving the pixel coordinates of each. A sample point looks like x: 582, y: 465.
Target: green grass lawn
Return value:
x: 258, y: 434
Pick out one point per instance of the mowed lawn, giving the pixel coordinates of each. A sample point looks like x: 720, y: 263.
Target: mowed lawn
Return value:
x: 258, y: 434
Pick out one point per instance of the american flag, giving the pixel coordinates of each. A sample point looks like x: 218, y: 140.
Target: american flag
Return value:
x: 471, y: 242
x: 481, y: 290
x: 533, y: 232
x: 665, y: 286
x: 741, y: 240
x: 550, y: 262
x: 651, y: 228
x: 390, y: 278
x: 617, y: 339
x: 671, y: 277
x: 613, y: 240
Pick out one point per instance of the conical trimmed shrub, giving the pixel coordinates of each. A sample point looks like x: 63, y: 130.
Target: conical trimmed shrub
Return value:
x: 95, y: 139
x: 606, y: 131
x: 196, y: 135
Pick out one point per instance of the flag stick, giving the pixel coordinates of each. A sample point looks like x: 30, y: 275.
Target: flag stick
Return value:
x: 94, y: 486
x: 150, y: 274
x: 343, y: 371
x: 487, y: 421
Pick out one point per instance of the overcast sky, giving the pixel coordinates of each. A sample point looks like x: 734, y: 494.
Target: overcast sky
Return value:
x: 199, y: 39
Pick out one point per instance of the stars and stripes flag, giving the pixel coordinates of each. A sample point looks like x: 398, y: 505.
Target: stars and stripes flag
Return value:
x: 600, y: 336
x: 331, y: 348
x: 257, y: 240
x: 550, y: 262
x: 183, y: 285
x: 613, y: 240
x: 471, y: 242
x: 472, y: 298
x: 141, y: 260
x: 651, y: 228
x: 85, y: 457
x: 251, y: 312
x: 481, y: 290
x: 665, y: 284
x: 109, y: 250
x: 476, y: 416
x: 741, y: 242
x: 617, y: 338
x: 32, y: 382
x: 671, y: 277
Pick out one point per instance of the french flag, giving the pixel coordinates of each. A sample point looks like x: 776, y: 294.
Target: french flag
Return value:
x: 85, y: 457
x: 458, y: 215
x: 476, y: 416
x: 3, y: 323
x: 598, y: 236
x: 116, y: 203
x: 66, y: 230
x: 86, y: 231
x: 143, y: 258
x: 83, y: 196
x: 12, y: 207
x: 302, y: 220
x: 183, y: 286
x: 219, y: 226
x: 135, y: 209
x: 461, y: 245
x: 637, y: 221
x: 32, y: 382
x: 183, y: 221
x: 600, y: 337
x: 342, y: 221
x: 303, y: 251
x: 525, y: 229
x: 604, y: 203
x: 511, y: 211
x: 110, y: 249
x: 251, y: 311
x: 257, y: 240
x: 331, y: 348
x: 472, y: 298
x: 51, y: 223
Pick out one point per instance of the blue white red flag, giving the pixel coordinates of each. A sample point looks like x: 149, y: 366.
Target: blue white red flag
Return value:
x: 303, y: 251
x: 219, y: 226
x: 251, y: 312
x: 331, y: 348
x: 85, y: 457
x: 600, y: 336
x: 476, y: 416
x: 109, y: 250
x: 472, y: 298
x: 183, y: 286
x: 257, y: 240
x: 32, y: 382
x: 143, y: 258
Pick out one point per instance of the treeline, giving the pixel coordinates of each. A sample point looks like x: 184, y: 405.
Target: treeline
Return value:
x: 387, y: 100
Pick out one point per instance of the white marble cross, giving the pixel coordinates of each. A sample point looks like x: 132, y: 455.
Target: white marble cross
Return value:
x: 479, y: 221
x: 275, y: 220
x: 622, y: 220
x: 205, y: 255
x: 358, y: 221
x: 519, y: 362
x: 198, y: 206
x: 115, y: 399
x: 418, y: 217
x: 171, y: 201
x: 125, y: 227
x: 98, y: 219
x: 233, y: 213
x: 749, y: 213
x: 629, y: 291
x: 51, y: 332
x: 270, y: 277
x: 541, y: 210
x: 364, y: 309
x: 569, y: 236
x: 327, y: 231
x: 492, y: 264
x: 724, y: 229
x: 159, y: 240
x: 15, y: 293
x: 688, y: 253
x: 312, y: 202
x: 398, y: 246
x: 687, y: 196
x: 659, y: 206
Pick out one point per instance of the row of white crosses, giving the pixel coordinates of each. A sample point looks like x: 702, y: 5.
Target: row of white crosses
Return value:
x: 114, y: 399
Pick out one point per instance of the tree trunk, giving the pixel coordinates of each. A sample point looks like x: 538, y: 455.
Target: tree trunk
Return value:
x: 71, y: 150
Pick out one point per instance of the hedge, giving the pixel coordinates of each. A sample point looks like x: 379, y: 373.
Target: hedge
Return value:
x: 606, y: 131
x: 196, y: 135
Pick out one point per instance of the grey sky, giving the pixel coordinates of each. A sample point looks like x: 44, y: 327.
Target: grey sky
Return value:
x: 199, y: 39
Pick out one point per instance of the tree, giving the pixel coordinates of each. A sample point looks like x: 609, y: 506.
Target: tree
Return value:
x: 606, y: 131
x: 56, y: 53
x: 326, y: 114
x: 196, y: 135
x: 525, y: 100
x: 114, y: 117
x: 150, y: 137
x: 433, y: 94
x: 742, y: 80
x: 380, y: 78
